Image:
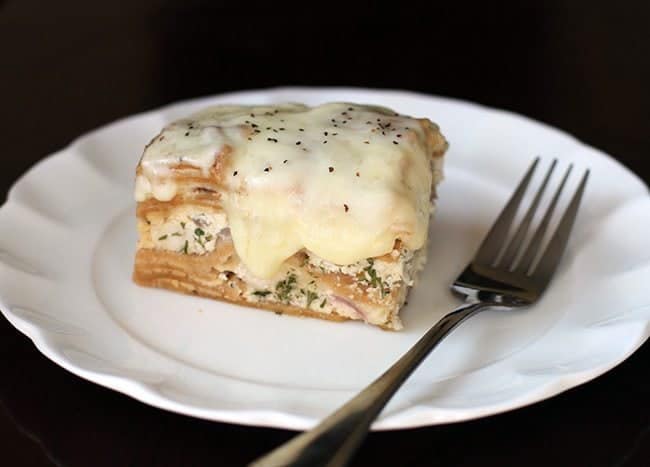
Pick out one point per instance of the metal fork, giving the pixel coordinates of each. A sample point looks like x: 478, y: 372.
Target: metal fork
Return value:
x: 502, y: 274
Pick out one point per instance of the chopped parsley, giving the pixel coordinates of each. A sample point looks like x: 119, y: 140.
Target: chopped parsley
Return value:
x: 162, y: 237
x: 284, y: 288
x: 310, y: 296
x: 322, y: 304
x: 261, y: 293
x: 198, y: 237
x: 373, y: 279
x: 184, y: 249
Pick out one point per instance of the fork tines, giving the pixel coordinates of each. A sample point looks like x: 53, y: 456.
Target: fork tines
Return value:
x: 517, y: 255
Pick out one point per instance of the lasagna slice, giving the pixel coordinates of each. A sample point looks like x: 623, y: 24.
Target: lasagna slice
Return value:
x: 314, y: 211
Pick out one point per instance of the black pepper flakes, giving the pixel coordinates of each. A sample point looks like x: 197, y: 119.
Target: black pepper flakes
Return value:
x: 234, y: 174
x: 325, y: 142
x: 298, y: 143
x: 366, y: 142
x: 350, y: 108
x: 301, y: 129
x: 325, y: 133
x: 285, y: 161
x: 345, y: 206
x: 398, y: 135
x: 331, y: 169
x: 395, y: 142
x: 357, y: 174
x: 267, y: 169
x: 187, y: 133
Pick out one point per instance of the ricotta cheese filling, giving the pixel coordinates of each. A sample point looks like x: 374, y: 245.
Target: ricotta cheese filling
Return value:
x: 189, y: 233
x: 343, y: 181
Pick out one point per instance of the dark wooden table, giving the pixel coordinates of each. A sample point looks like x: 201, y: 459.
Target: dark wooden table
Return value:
x: 68, y: 67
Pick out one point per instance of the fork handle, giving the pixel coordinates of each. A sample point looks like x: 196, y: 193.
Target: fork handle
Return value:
x: 335, y: 440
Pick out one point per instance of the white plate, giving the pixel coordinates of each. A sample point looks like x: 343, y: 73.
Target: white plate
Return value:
x: 67, y: 238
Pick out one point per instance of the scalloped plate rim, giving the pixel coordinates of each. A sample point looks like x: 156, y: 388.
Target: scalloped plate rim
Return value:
x: 284, y: 419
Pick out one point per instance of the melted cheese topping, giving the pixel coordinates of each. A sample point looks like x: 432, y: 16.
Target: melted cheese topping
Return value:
x: 342, y: 180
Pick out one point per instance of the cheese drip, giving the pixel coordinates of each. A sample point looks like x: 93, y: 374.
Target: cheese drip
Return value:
x: 341, y: 180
